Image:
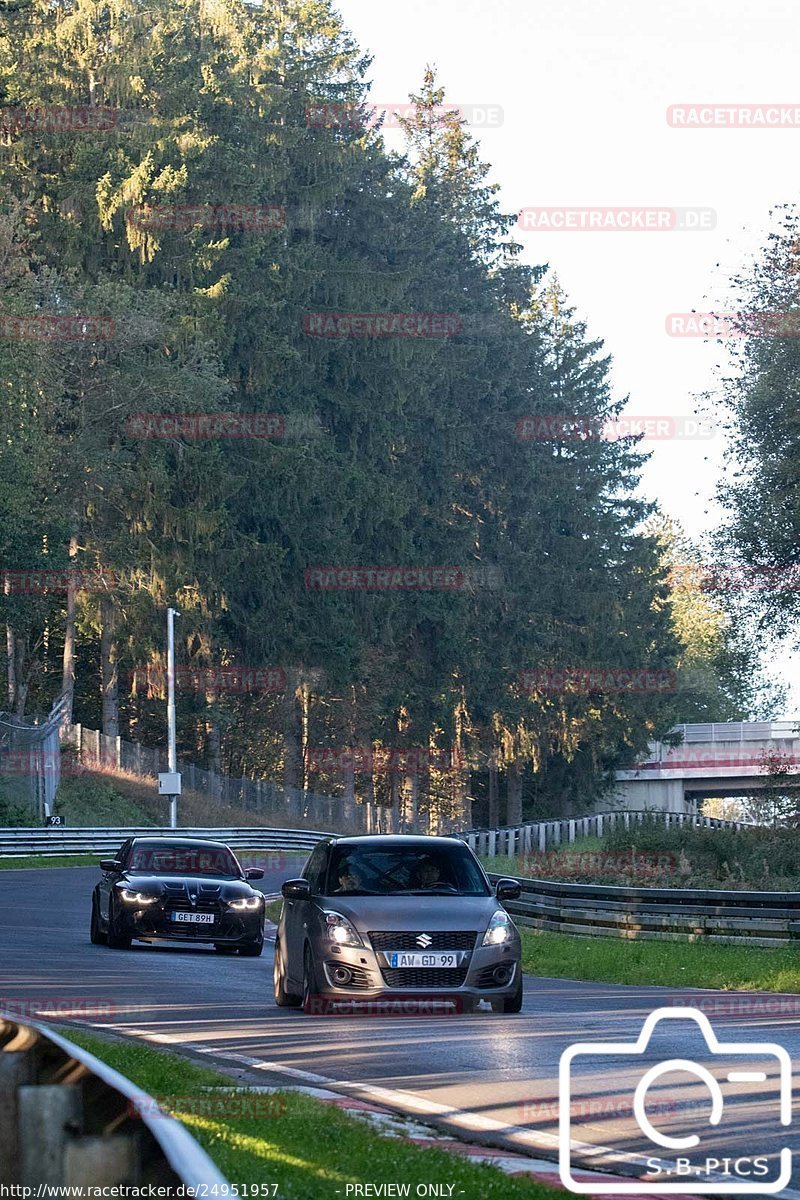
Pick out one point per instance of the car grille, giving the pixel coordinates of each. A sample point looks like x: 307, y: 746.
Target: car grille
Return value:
x: 442, y: 940
x: 204, y: 904
x: 425, y: 977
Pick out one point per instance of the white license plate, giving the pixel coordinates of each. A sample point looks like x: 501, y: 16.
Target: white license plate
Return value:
x: 438, y: 958
x: 194, y: 917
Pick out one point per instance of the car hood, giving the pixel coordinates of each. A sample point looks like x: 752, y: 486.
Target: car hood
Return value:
x: 409, y: 913
x: 180, y: 886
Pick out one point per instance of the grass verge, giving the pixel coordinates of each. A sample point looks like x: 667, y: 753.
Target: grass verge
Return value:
x: 311, y: 1150
x: 46, y: 860
x: 665, y: 964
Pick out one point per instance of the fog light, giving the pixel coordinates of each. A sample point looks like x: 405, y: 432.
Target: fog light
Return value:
x: 342, y: 975
x: 503, y: 974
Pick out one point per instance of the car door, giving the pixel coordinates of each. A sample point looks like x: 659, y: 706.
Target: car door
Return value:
x: 109, y: 878
x: 298, y: 912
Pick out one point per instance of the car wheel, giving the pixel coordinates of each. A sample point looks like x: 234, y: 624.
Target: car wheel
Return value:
x: 116, y: 940
x: 220, y: 949
x: 96, y: 935
x: 512, y: 1004
x: 283, y: 999
x: 310, y: 986
x: 252, y: 949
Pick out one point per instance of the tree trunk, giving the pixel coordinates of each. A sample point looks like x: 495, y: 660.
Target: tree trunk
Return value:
x: 108, y: 666
x: 11, y: 651
x: 21, y: 675
x: 513, y: 794
x: 304, y: 708
x: 68, y: 677
x: 396, y: 806
x: 293, y: 766
x: 494, y: 793
x: 410, y: 793
x: 349, y: 780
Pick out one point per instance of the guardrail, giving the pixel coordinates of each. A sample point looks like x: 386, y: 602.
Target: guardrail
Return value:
x: 541, y: 835
x: 672, y: 914
x: 68, y: 1119
x: 17, y: 843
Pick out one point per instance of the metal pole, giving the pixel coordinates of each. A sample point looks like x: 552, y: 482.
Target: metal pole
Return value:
x: 171, y: 751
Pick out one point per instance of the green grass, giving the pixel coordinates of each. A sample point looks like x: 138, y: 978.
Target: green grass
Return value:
x: 94, y: 801
x: 46, y: 860
x: 311, y: 1149
x: 661, y: 963
x: 273, y: 910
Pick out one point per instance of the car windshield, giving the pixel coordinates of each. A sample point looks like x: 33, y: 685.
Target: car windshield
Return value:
x: 167, y: 859
x: 404, y: 870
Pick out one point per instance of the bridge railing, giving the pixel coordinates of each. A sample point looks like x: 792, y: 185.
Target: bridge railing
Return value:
x: 542, y: 835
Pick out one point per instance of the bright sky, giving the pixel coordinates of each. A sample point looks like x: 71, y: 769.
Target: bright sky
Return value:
x: 584, y: 87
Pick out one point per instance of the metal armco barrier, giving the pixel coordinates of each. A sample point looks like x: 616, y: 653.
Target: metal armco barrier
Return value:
x: 68, y: 1119
x: 541, y: 835
x: 673, y: 914
x: 16, y: 843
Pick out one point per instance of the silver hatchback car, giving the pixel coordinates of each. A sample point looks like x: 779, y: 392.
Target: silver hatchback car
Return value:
x: 388, y: 918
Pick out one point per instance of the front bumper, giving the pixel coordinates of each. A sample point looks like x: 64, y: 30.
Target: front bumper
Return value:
x: 487, y: 973
x: 229, y: 928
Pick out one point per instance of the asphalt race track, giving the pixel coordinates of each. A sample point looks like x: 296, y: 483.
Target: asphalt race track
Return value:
x: 487, y: 1074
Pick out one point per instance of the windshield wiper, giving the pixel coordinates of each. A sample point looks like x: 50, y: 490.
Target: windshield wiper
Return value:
x: 439, y: 889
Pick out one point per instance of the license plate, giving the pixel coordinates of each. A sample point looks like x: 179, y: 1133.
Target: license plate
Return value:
x: 438, y: 958
x: 194, y: 917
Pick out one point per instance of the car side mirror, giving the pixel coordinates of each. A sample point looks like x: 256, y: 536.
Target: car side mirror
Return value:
x: 508, y: 889
x: 296, y: 889
x: 254, y: 873
x: 109, y: 864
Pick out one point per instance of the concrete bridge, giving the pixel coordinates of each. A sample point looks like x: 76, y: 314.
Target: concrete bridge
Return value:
x: 713, y: 760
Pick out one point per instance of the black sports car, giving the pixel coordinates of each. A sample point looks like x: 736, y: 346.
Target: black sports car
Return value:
x: 180, y: 889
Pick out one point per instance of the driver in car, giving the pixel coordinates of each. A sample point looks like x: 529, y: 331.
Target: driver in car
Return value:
x: 349, y: 878
x: 426, y: 874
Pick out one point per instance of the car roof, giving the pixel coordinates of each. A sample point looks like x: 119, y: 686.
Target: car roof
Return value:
x: 164, y: 839
x: 424, y: 841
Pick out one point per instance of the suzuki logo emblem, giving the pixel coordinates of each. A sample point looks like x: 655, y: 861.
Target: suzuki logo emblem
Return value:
x: 424, y: 940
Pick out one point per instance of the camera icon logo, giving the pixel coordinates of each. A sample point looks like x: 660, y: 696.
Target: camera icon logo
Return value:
x: 687, y: 1164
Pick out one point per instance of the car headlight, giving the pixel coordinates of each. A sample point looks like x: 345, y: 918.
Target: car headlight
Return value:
x: 340, y: 932
x: 500, y: 929
x: 246, y: 904
x: 140, y: 898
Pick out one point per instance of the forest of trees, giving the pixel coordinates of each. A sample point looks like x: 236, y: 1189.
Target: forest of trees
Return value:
x: 379, y: 451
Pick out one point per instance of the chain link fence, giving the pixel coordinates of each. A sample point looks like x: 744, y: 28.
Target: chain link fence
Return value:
x: 286, y: 805
x: 30, y: 762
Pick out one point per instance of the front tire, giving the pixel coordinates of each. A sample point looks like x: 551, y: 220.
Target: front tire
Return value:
x: 220, y: 949
x: 283, y: 999
x: 96, y: 934
x: 252, y: 949
x: 117, y: 940
x: 310, y: 986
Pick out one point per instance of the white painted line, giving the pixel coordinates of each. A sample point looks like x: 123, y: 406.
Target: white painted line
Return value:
x: 469, y: 1122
